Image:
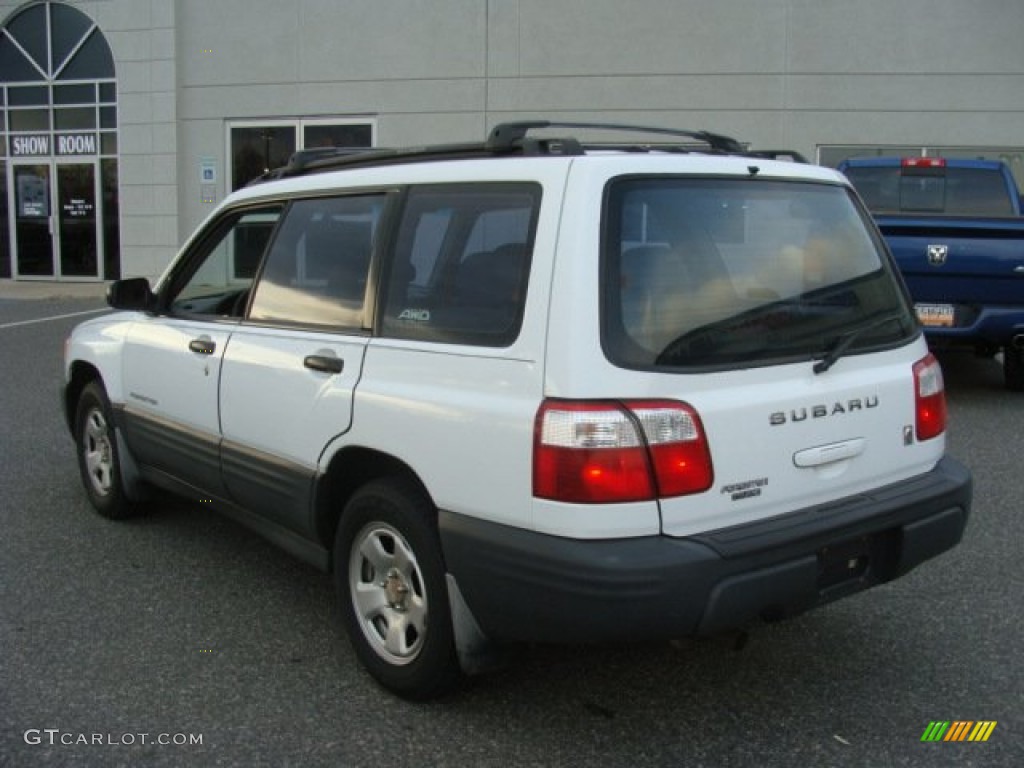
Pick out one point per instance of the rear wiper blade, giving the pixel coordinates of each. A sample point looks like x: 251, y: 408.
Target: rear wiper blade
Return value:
x: 843, y: 342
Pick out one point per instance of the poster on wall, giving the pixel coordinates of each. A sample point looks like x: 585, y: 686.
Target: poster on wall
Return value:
x: 33, y: 197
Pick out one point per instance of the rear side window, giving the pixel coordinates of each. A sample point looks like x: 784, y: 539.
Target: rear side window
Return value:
x: 461, y: 264
x: 739, y: 272
x: 316, y: 271
x: 939, y: 190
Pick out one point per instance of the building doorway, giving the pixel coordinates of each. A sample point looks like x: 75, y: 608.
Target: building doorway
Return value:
x: 59, y: 210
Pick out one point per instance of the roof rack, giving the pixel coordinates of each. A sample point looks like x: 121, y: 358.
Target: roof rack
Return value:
x: 513, y: 139
x: 778, y: 154
x: 508, y: 134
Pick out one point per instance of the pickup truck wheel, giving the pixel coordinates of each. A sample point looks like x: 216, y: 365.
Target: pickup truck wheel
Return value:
x: 390, y: 579
x: 1013, y: 368
x: 98, y: 458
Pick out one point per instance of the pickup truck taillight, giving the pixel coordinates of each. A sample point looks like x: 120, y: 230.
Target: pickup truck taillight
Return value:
x: 929, y: 398
x: 596, y: 452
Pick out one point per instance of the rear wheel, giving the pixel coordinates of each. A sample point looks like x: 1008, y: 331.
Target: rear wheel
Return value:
x: 1013, y: 367
x: 98, y: 457
x: 391, y: 585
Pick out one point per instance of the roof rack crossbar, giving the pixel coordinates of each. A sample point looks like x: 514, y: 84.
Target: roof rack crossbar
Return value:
x: 508, y: 135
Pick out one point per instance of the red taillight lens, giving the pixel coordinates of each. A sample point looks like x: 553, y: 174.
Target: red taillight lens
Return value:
x: 606, y: 452
x: 929, y: 398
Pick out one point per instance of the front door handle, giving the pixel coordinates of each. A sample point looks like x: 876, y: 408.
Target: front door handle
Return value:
x: 324, y: 363
x: 203, y: 346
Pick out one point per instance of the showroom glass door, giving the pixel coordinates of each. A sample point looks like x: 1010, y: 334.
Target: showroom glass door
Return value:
x: 57, y: 231
x: 33, y: 227
x: 76, y: 219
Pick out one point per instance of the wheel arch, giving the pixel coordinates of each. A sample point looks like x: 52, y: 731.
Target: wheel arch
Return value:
x: 80, y: 374
x: 350, y: 469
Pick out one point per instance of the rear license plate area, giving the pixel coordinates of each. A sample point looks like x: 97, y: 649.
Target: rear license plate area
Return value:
x: 936, y: 315
x: 857, y: 563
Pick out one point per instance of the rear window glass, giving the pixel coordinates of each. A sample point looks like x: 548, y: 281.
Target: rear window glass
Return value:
x: 729, y: 272
x: 952, y: 191
x: 462, y: 264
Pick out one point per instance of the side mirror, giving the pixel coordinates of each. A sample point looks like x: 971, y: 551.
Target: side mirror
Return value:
x: 133, y: 293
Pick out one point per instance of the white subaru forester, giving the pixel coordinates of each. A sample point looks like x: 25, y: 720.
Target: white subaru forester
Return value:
x: 532, y: 389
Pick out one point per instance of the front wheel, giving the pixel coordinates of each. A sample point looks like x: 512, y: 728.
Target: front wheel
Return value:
x: 1013, y: 367
x: 98, y: 457
x: 390, y: 579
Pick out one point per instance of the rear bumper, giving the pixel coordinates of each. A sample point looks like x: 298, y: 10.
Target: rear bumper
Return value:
x: 525, y: 586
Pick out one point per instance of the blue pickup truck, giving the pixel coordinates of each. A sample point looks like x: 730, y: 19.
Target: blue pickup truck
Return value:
x: 956, y: 230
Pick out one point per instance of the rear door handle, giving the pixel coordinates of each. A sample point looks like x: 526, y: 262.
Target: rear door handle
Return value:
x: 324, y: 363
x: 203, y: 346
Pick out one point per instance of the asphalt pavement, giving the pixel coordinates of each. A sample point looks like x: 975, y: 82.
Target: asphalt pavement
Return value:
x: 126, y: 643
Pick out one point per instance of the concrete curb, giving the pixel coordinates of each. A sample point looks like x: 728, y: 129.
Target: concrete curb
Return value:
x: 32, y: 289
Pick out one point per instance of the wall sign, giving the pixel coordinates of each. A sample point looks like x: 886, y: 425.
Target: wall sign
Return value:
x: 76, y: 144
x: 62, y: 145
x: 33, y: 197
x: 77, y: 208
x: 30, y: 146
x: 207, y: 170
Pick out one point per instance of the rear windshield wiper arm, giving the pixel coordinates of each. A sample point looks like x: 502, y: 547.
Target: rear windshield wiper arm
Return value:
x: 843, y: 342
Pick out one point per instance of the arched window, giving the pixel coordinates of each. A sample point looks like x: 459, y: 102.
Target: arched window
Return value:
x: 58, y: 99
x: 53, y: 41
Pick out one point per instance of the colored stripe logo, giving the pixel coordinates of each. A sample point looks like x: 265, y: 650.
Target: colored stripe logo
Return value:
x: 958, y: 730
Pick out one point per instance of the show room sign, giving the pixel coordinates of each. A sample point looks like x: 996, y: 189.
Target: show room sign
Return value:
x: 45, y: 145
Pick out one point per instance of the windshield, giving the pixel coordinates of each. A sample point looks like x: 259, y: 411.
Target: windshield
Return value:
x: 729, y: 272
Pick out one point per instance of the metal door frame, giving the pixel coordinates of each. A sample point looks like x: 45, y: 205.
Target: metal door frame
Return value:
x: 54, y: 218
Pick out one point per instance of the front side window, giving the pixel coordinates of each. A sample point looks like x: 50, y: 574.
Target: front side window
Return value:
x: 213, y: 280
x: 737, y: 272
x: 462, y: 263
x: 316, y: 270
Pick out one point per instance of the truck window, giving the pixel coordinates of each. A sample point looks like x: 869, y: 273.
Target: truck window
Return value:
x: 946, y: 190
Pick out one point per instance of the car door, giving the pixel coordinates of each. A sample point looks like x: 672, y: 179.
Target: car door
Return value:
x: 291, y: 367
x: 172, y: 358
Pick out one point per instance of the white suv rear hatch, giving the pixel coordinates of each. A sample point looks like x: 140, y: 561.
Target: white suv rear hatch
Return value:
x: 762, y: 298
x: 784, y: 438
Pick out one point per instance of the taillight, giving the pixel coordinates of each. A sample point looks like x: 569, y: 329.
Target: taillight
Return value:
x: 595, y: 452
x: 929, y: 398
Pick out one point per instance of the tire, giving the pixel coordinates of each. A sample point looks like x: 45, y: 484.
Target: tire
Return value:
x: 1013, y: 368
x: 98, y: 458
x: 390, y: 579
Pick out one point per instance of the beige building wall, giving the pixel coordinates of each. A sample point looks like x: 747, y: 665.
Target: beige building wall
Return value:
x: 776, y: 73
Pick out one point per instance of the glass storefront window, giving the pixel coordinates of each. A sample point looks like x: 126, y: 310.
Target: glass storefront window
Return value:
x: 345, y: 135
x: 74, y: 118
x: 30, y: 119
x: 74, y: 94
x: 59, y: 182
x: 111, y: 232
x: 28, y: 96
x: 5, y: 229
x: 255, y: 150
